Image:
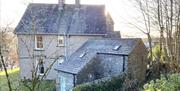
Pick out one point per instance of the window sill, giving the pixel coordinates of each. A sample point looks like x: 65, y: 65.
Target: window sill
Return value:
x: 38, y: 49
x: 60, y: 46
x: 41, y: 74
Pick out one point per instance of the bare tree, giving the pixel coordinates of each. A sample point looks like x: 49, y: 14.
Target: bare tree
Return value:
x: 168, y: 13
x: 33, y: 84
x: 145, y: 11
x: 36, y: 80
x: 3, y: 52
x: 163, y: 15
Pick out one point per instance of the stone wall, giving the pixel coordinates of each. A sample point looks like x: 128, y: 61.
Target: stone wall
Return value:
x: 27, y: 67
x: 26, y: 50
x: 88, y: 73
x: 103, y: 65
x: 137, y: 62
x: 110, y: 65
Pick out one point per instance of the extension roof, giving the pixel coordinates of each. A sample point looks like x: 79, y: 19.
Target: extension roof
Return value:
x: 94, y: 47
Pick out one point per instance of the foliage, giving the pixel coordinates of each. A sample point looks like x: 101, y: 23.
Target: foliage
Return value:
x: 109, y: 85
x: 162, y: 16
x: 165, y: 83
x: 17, y: 86
x: 156, y: 52
x: 8, y: 53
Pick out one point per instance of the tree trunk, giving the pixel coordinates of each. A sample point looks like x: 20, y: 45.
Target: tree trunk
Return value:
x: 5, y: 69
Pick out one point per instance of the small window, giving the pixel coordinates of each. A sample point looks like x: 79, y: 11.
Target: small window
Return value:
x: 41, y: 66
x: 60, y: 60
x: 82, y: 55
x: 116, y: 47
x: 60, y: 41
x: 39, y: 42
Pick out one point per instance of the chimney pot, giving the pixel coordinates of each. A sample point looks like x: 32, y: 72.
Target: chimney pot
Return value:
x: 61, y: 4
x: 77, y: 2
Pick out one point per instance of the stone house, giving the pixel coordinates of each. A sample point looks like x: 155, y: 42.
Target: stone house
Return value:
x: 82, y: 38
x: 101, y: 58
x: 48, y: 31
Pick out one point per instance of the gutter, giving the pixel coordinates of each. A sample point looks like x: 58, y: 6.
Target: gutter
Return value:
x: 65, y: 71
x: 112, y: 54
x: 60, y: 34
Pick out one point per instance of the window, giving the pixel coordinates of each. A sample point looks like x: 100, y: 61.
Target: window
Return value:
x: 41, y: 66
x: 82, y: 55
x: 60, y: 60
x: 116, y: 47
x: 39, y: 42
x: 60, y: 41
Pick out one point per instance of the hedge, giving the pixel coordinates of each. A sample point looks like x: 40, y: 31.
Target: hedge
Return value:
x: 113, y: 84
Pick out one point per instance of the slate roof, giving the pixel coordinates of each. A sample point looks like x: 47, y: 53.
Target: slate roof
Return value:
x: 49, y: 19
x: 92, y: 48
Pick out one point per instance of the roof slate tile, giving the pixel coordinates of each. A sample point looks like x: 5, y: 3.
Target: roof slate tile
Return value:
x: 48, y: 19
x: 94, y: 47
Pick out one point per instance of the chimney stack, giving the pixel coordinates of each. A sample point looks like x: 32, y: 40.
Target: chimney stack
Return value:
x: 77, y: 2
x: 61, y: 4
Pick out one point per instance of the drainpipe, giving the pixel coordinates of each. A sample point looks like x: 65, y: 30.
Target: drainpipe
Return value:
x: 74, y: 80
x: 124, y: 60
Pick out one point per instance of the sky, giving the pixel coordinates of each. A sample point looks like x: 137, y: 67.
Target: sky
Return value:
x: 123, y: 12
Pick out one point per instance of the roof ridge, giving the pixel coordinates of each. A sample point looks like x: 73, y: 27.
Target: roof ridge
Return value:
x: 67, y: 4
x: 42, y: 4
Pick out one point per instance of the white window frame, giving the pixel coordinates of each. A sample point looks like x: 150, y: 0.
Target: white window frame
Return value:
x: 58, y: 41
x: 36, y: 42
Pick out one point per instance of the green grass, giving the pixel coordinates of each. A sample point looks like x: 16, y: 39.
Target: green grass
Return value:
x: 15, y: 81
x: 9, y: 71
x: 3, y: 81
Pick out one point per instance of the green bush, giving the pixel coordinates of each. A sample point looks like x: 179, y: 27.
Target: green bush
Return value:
x: 110, y: 85
x: 169, y: 83
x: 156, y: 53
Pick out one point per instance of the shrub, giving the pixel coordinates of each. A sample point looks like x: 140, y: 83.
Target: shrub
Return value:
x: 169, y: 83
x: 114, y: 84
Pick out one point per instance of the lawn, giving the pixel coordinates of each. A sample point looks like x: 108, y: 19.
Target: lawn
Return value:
x: 9, y: 71
x: 14, y: 77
